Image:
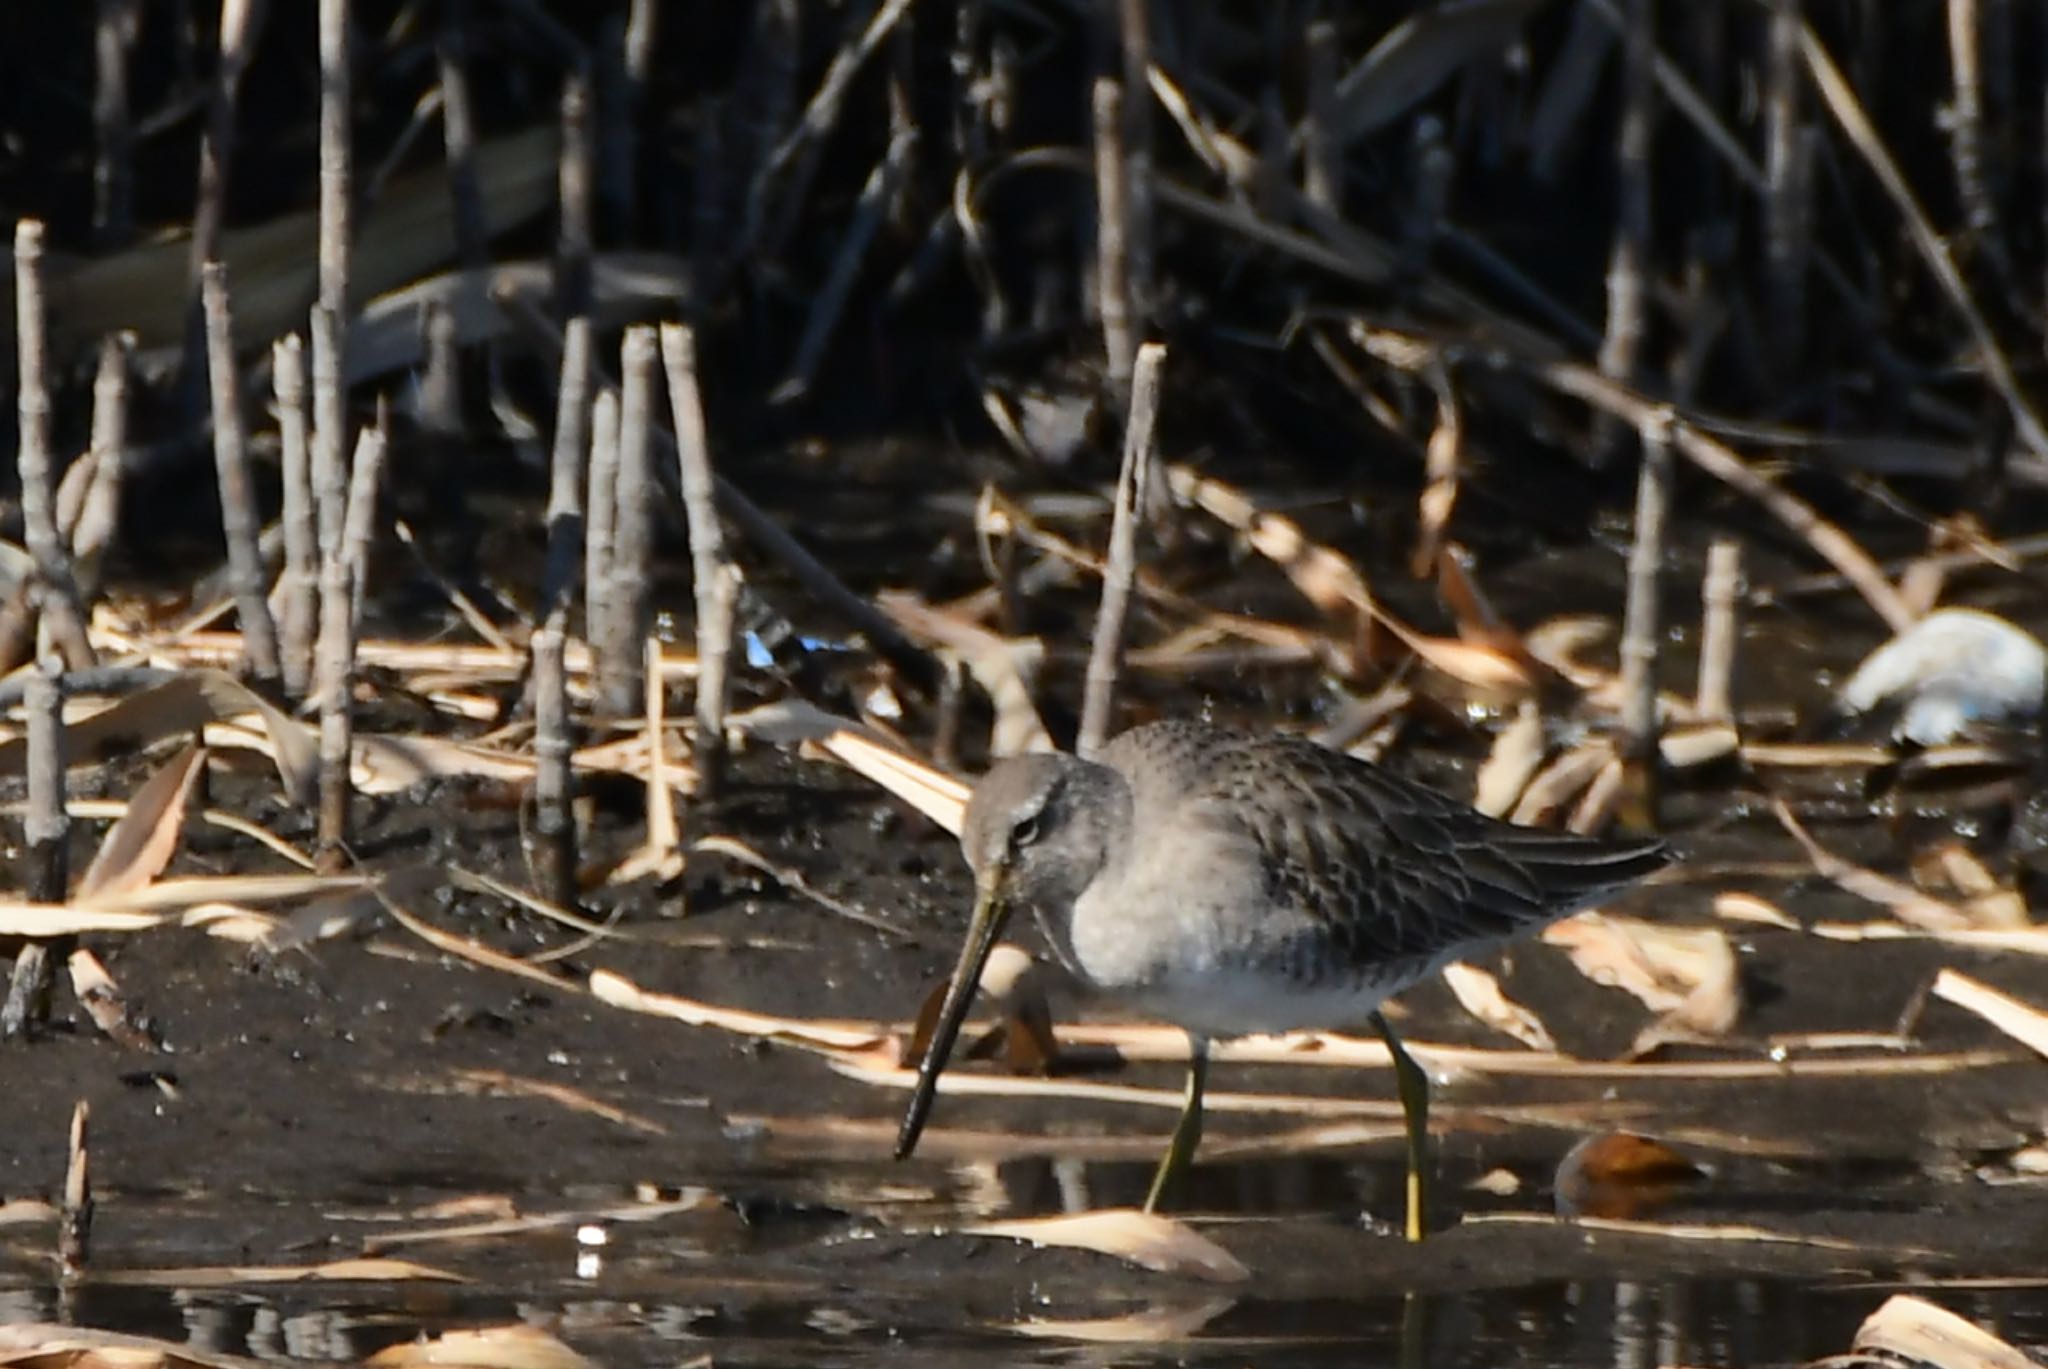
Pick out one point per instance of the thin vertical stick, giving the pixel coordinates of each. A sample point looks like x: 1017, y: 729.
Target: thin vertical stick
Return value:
x: 52, y: 594
x: 1322, y: 154
x: 458, y: 135
x: 576, y: 174
x: 1112, y: 261
x: 1639, y: 617
x: 1965, y: 120
x: 239, y: 522
x: 298, y: 587
x: 565, y: 474
x: 74, y: 1227
x: 708, y: 565
x: 1629, y: 263
x: 239, y: 20
x: 113, y: 164
x: 1721, y: 592
x: 47, y: 828
x: 330, y: 430
x: 1135, y: 138
x: 337, y: 172
x: 336, y: 663
x: 1787, y: 187
x: 1105, y: 655
x: 621, y: 659
x: 599, y: 525
x: 554, y: 823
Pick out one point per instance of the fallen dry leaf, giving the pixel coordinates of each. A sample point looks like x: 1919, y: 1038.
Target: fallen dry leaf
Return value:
x: 1915, y: 1331
x: 142, y: 841
x: 1480, y: 994
x: 1688, y: 974
x: 1145, y: 1239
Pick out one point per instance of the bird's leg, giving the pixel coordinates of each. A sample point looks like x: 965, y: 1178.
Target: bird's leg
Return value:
x: 1413, y: 1087
x: 1187, y: 1132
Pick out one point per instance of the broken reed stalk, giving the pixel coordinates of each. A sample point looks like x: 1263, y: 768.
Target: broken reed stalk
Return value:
x: 58, y: 613
x: 1112, y: 262
x: 1721, y: 593
x: 298, y: 586
x: 116, y: 24
x: 359, y: 528
x: 337, y: 172
x: 95, y: 521
x: 1105, y: 655
x: 440, y: 383
x: 74, y: 1225
x: 330, y: 431
x: 709, y: 564
x: 565, y: 475
x: 554, y: 821
x: 1628, y: 264
x: 621, y: 688
x: 1639, y: 629
x: 830, y: 302
x: 600, y: 520
x: 47, y: 830
x: 240, y: 523
x: 1788, y: 179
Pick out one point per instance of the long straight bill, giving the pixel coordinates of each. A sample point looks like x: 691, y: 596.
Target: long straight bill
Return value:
x: 991, y: 911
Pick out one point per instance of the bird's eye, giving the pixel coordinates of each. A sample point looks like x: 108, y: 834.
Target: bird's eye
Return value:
x: 1025, y: 832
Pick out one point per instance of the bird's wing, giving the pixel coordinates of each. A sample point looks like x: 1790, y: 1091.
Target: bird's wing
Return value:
x: 1393, y: 871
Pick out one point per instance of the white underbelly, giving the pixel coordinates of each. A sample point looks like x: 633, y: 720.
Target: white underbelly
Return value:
x: 1227, y: 1005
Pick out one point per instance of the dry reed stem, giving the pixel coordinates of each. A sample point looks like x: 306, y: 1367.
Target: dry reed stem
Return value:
x: 565, y: 475
x: 298, y: 587
x: 714, y: 581
x: 574, y: 233
x: 1788, y: 189
x: 359, y: 525
x: 330, y: 431
x: 241, y: 524
x: 601, y: 522
x: 1112, y: 239
x: 337, y: 171
x: 1105, y: 656
x: 1721, y: 593
x: 458, y: 135
x: 115, y: 29
x: 621, y: 681
x: 554, y: 824
x: 47, y: 828
x: 1628, y: 263
x: 1640, y: 629
x: 51, y: 592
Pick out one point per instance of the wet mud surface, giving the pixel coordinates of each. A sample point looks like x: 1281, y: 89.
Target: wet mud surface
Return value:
x: 311, y: 1106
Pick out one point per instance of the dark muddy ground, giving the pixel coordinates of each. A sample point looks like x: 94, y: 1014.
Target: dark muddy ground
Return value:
x: 307, y: 1106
